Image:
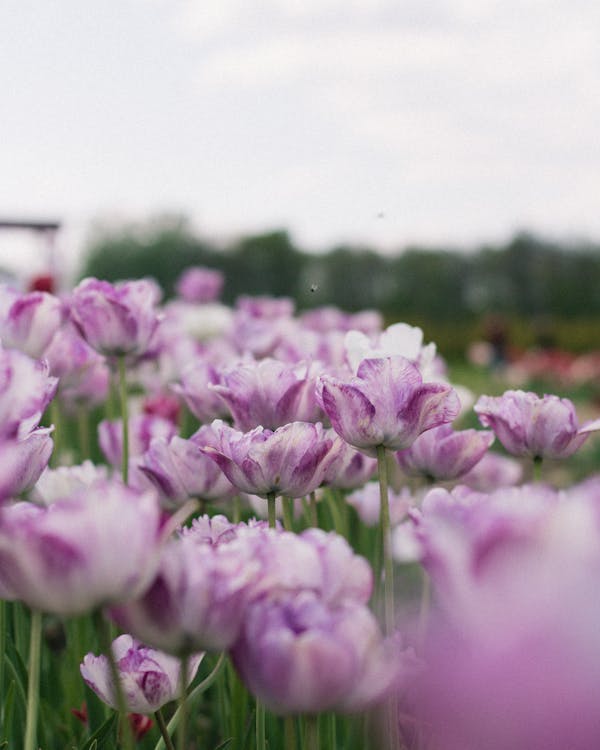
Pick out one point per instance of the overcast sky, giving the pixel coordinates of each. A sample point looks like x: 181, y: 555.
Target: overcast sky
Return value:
x: 361, y: 120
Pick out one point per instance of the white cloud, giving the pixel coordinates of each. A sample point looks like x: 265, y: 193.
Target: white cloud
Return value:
x: 458, y: 118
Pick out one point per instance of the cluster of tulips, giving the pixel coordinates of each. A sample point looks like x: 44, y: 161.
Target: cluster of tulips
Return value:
x: 285, y: 520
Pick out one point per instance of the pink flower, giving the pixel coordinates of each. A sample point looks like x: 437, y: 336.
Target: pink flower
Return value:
x: 513, y: 660
x: 386, y: 404
x: 196, y: 389
x: 80, y: 553
x: 23, y: 461
x: 149, y: 678
x: 268, y: 393
x: 291, y: 461
x: 83, y: 375
x: 197, y: 599
x: 26, y: 389
x: 116, y: 319
x: 30, y: 321
x: 443, y: 453
x: 200, y: 285
x: 143, y: 429
x: 528, y: 425
x: 299, y: 655
x: 180, y: 469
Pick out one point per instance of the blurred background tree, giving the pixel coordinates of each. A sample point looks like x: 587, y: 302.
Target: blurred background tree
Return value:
x: 542, y: 288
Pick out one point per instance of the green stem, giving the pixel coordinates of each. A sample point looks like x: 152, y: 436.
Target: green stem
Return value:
x: 288, y: 513
x: 164, y: 731
x: 537, y: 469
x: 336, y: 516
x: 55, y: 418
x: 332, y: 732
x: 311, y: 732
x: 261, y: 743
x: 289, y: 731
x: 198, y: 690
x: 314, y: 516
x: 2, y: 644
x: 103, y: 629
x: 33, y: 683
x: 237, y: 509
x: 182, y: 703
x: 384, y: 523
x: 239, y: 705
x: 83, y: 433
x: 124, y: 418
x: 110, y: 405
x: 271, y: 510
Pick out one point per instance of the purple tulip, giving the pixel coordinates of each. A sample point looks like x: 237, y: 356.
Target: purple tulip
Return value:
x: 298, y: 345
x: 492, y: 472
x: 528, y: 425
x: 386, y: 404
x: 345, y: 576
x: 180, y: 469
x: 83, y: 374
x: 324, y: 319
x: 64, y: 481
x: 265, y: 308
x: 299, y: 655
x: 26, y: 389
x: 457, y: 535
x: 399, y: 339
x: 90, y: 550
x: 313, y: 561
x: 513, y: 660
x: 118, y: 319
x: 197, y: 600
x: 196, y: 389
x: 212, y: 530
x: 529, y: 690
x: 261, y: 324
x: 267, y: 393
x: 143, y: 429
x: 23, y: 461
x: 30, y: 321
x: 291, y: 461
x: 148, y: 677
x: 200, y: 285
x: 367, y: 503
x: 350, y: 469
x: 442, y: 453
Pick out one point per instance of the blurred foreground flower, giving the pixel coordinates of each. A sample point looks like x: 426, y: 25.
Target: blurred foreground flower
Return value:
x: 513, y: 656
x: 97, y: 547
x: 299, y: 655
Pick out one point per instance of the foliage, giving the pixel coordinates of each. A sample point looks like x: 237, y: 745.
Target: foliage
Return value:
x: 542, y: 289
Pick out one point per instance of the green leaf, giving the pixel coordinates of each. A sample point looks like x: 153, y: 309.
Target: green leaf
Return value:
x: 19, y: 676
x: 101, y: 736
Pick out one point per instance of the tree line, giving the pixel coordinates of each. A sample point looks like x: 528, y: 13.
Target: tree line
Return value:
x: 528, y: 278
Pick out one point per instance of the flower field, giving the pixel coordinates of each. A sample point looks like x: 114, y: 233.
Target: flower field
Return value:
x: 244, y: 527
